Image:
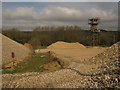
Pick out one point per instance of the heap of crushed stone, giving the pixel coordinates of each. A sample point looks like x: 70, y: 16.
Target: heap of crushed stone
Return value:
x: 106, y: 76
x: 65, y: 45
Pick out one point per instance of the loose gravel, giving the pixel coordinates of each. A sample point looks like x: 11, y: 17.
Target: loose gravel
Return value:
x: 101, y: 71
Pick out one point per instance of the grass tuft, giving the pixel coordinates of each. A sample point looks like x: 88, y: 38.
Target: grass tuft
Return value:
x: 30, y: 65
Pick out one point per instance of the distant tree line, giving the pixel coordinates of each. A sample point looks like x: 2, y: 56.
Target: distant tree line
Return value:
x: 44, y: 36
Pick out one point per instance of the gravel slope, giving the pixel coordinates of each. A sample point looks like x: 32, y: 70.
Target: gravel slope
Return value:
x: 101, y: 71
x: 9, y: 46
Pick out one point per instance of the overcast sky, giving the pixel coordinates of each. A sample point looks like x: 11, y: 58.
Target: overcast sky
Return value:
x: 60, y: 0
x: 27, y: 16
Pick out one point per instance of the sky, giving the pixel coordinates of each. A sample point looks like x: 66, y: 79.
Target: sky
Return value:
x: 28, y: 15
x: 60, y: 0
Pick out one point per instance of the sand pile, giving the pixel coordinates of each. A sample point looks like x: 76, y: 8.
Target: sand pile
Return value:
x: 10, y: 46
x: 65, y: 45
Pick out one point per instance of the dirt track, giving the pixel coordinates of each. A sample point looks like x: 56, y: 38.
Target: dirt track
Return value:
x: 77, y: 55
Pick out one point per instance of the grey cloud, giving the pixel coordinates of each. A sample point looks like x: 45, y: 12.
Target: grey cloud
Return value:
x: 62, y: 1
x: 28, y: 17
x: 19, y: 13
x: 57, y: 12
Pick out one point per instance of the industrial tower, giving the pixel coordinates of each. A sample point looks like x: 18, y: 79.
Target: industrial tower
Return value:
x: 93, y: 22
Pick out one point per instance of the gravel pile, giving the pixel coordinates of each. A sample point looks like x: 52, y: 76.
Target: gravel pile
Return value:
x: 9, y: 46
x: 101, y: 71
x: 108, y: 61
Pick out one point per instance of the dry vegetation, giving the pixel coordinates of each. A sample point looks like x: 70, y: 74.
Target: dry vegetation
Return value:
x: 45, y: 36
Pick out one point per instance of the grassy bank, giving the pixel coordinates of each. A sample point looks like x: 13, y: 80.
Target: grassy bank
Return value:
x: 30, y: 64
x: 37, y: 63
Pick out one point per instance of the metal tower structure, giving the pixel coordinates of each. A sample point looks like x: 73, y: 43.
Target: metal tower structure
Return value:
x: 93, y: 22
